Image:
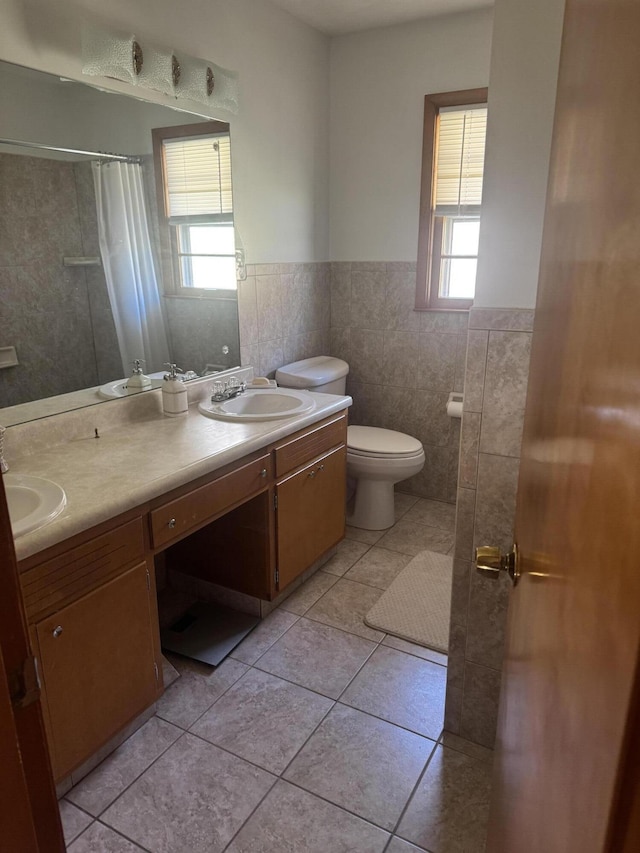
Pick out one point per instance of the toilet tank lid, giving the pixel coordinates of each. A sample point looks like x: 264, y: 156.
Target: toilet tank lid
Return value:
x: 311, y: 372
x: 377, y: 440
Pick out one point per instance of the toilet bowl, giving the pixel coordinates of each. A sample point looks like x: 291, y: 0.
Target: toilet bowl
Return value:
x: 376, y: 458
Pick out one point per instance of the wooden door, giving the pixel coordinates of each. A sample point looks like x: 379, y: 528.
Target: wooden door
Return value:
x: 311, y: 514
x: 567, y: 759
x: 98, y: 666
x: 29, y: 818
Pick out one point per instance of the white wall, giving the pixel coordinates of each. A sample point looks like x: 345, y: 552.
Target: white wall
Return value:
x: 279, y: 137
x: 378, y: 82
x: 522, y: 94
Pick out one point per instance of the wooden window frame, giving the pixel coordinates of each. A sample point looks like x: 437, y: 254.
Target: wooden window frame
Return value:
x: 172, y: 276
x: 427, y: 297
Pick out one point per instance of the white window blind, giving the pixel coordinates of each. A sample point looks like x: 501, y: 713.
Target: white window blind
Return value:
x: 198, y: 179
x: 461, y: 134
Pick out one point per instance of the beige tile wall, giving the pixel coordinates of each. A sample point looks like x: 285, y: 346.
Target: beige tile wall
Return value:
x: 49, y: 312
x: 497, y: 371
x: 284, y: 313
x: 403, y: 363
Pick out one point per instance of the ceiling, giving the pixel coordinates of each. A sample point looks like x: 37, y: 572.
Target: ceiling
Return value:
x: 336, y: 17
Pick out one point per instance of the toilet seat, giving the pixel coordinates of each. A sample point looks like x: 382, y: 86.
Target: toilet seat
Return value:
x: 378, y: 443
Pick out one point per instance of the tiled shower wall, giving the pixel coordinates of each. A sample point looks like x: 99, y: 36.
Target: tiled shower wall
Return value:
x: 497, y: 372
x: 49, y: 312
x: 404, y: 363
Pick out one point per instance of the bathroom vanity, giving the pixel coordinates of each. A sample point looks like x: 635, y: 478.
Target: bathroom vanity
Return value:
x: 250, y: 521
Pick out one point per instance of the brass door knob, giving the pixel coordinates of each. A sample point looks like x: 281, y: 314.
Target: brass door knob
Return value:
x: 490, y: 562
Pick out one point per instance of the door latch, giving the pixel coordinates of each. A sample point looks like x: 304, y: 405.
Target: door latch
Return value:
x: 490, y: 562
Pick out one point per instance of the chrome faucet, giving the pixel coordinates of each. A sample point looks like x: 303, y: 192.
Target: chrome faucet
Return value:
x: 227, y: 390
x: 4, y: 467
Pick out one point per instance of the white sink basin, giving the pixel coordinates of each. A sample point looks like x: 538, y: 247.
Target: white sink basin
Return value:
x: 113, y: 390
x: 260, y: 405
x: 33, y: 501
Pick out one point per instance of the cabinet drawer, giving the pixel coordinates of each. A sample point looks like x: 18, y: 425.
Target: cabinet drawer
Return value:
x: 59, y: 581
x: 171, y: 521
x: 297, y: 451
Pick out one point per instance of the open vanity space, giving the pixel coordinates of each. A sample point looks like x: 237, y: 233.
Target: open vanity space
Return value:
x: 247, y: 508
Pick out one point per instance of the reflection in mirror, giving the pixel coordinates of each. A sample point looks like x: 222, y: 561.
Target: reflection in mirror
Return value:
x: 87, y: 276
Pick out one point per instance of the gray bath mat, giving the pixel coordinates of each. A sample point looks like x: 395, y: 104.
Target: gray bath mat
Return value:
x: 417, y: 605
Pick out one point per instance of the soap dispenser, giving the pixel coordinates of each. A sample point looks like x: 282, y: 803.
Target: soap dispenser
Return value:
x: 138, y: 381
x: 174, y: 393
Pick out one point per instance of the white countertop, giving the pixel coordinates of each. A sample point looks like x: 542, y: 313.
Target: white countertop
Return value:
x: 132, y: 463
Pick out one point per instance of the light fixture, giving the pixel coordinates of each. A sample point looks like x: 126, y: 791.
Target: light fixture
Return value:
x: 124, y: 57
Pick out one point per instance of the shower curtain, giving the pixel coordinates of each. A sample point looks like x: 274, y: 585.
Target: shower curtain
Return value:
x: 125, y: 247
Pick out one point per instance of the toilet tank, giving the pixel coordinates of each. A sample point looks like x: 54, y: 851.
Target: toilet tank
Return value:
x: 322, y: 373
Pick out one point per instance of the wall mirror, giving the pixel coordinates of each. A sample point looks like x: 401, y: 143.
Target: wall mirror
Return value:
x: 77, y: 272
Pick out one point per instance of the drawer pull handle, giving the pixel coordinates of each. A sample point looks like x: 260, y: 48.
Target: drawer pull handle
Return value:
x: 172, y: 522
x: 312, y: 473
x: 321, y: 467
x: 57, y: 631
x: 263, y: 473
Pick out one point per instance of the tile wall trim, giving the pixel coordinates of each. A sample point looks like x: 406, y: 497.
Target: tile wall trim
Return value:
x: 496, y: 377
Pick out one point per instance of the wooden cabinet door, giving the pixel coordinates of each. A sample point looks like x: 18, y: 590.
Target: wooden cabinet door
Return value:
x: 311, y: 514
x: 98, y: 666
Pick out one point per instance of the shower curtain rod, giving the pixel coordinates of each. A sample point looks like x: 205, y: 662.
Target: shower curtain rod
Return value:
x: 122, y: 158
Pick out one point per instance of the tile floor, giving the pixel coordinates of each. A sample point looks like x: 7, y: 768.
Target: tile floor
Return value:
x: 317, y: 735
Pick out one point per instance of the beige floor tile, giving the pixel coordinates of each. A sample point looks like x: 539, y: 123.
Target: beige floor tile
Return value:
x: 263, y: 719
x: 169, y: 673
x: 317, y: 656
x: 414, y: 649
x: 402, y: 689
x: 433, y: 513
x: 379, y: 567
x: 103, y: 785
x: 449, y: 811
x: 402, y: 503
x: 349, y: 552
x: 194, y: 798
x: 197, y: 689
x: 409, y: 537
x: 290, y: 820
x: 345, y: 605
x: 362, y: 764
x: 264, y: 636
x: 101, y: 839
x: 397, y: 845
x: 368, y: 537
x: 307, y: 594
x: 74, y: 821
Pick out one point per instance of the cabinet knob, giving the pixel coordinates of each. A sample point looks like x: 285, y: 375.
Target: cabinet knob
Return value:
x: 321, y: 468
x: 312, y: 473
x: 172, y: 522
x: 57, y: 631
x: 263, y: 473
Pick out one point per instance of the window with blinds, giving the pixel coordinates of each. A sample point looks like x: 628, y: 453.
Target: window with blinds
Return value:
x: 455, y: 130
x: 461, y: 139
x: 197, y: 191
x: 198, y: 179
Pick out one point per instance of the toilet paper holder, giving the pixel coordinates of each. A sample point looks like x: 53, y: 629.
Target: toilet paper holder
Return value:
x: 454, y: 404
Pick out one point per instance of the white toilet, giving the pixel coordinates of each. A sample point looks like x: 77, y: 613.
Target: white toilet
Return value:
x: 376, y: 458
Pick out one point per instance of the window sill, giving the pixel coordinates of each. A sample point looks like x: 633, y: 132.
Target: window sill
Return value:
x: 227, y: 295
